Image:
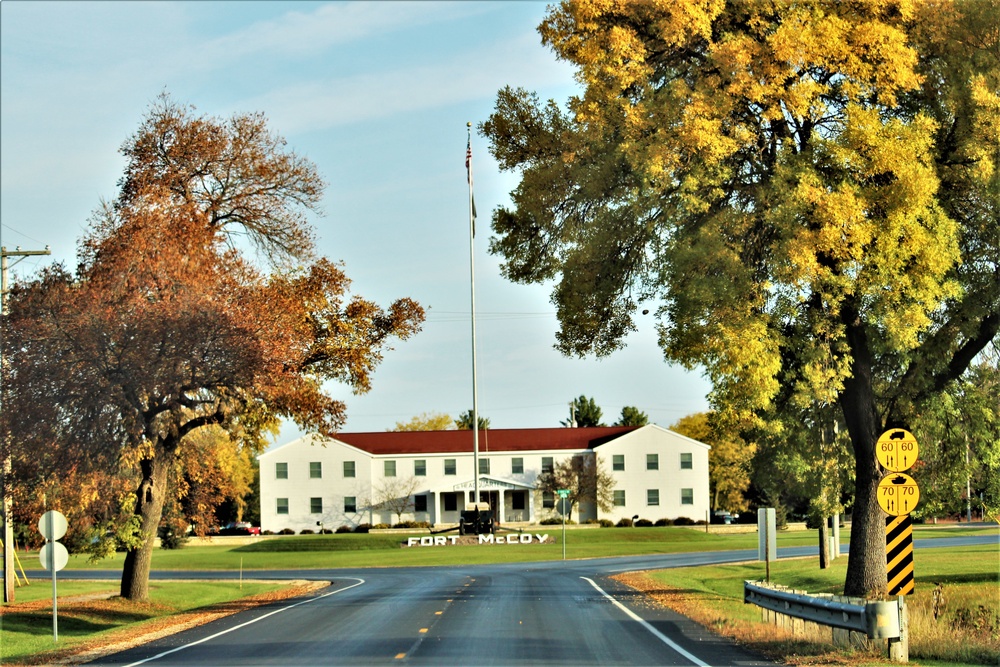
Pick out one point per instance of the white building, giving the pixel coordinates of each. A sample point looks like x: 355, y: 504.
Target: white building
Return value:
x: 314, y: 482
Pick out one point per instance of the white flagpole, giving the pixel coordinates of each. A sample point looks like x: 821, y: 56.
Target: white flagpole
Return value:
x: 472, y: 282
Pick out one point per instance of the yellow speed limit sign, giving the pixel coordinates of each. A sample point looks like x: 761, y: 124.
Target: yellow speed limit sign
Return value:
x: 897, y: 450
x: 898, y: 494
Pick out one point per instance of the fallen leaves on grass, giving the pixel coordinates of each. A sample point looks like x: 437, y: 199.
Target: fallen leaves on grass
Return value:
x: 134, y: 634
x: 774, y: 642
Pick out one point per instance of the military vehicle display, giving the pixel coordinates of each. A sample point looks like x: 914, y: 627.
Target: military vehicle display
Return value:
x: 476, y: 519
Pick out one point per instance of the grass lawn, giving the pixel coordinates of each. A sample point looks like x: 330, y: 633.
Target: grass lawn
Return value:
x: 384, y: 550
x: 87, y: 614
x: 712, y: 595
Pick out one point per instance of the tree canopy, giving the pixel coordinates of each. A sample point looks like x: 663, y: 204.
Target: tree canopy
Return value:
x: 729, y: 461
x: 632, y: 416
x: 167, y: 327
x: 464, y: 422
x: 808, y: 191
x: 583, y: 413
x: 426, y: 421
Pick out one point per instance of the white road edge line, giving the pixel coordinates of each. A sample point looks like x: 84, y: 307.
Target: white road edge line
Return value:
x: 243, y: 625
x: 656, y: 633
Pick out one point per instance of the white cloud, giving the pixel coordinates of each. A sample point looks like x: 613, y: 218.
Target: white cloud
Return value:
x: 319, y: 104
x: 299, y: 33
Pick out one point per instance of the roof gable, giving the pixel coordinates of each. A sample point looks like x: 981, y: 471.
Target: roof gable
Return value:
x: 492, y: 440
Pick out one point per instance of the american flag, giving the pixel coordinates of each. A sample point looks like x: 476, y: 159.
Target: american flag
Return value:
x: 468, y: 170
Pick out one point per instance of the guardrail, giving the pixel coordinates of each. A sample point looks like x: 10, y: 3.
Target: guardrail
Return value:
x: 875, y: 620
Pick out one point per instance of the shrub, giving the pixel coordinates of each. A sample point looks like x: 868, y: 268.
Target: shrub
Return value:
x: 343, y: 529
x: 555, y: 521
x: 624, y: 523
x: 307, y: 531
x: 267, y: 532
x: 684, y: 521
x: 643, y: 523
x: 286, y: 531
x: 363, y: 528
x: 664, y: 522
x: 380, y: 526
x: 412, y: 524
x: 606, y: 523
x: 171, y: 538
x: 326, y: 531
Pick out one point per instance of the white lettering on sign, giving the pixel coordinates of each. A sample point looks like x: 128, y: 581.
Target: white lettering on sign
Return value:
x: 441, y: 540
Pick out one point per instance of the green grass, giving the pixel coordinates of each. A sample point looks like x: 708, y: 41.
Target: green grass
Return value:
x: 968, y: 574
x: 384, y: 550
x: 969, y: 578
x: 27, y: 633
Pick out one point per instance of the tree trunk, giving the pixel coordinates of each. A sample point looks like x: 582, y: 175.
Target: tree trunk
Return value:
x: 149, y: 508
x: 866, y: 561
x: 824, y: 545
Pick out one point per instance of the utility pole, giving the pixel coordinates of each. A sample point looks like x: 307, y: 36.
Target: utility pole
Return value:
x: 8, y: 523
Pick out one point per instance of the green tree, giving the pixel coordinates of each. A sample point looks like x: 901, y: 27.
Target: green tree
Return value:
x: 809, y: 191
x: 426, y: 421
x: 464, y: 422
x: 959, y: 438
x: 632, y: 416
x: 729, y: 460
x: 166, y: 328
x: 585, y: 479
x: 583, y: 412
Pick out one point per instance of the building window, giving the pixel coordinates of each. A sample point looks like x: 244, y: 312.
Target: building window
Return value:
x: 449, y: 466
x: 517, y: 500
x: 282, y: 505
x: 315, y: 505
x: 619, y: 498
x: 652, y: 461
x: 517, y: 466
x: 389, y: 468
x: 315, y: 470
x: 547, y: 464
x: 349, y: 470
x: 652, y: 497
x: 687, y: 496
x: 281, y: 471
x: 420, y: 467
x: 618, y: 462
x: 350, y: 504
x: 484, y: 466
x: 420, y: 503
x: 548, y: 499
x: 450, y: 500
x: 686, y: 463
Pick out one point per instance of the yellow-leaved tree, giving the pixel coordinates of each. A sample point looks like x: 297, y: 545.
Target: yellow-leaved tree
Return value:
x: 809, y: 190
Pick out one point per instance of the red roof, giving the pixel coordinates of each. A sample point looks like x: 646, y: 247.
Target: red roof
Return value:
x: 492, y: 440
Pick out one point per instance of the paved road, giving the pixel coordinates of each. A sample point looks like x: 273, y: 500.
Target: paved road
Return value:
x: 481, y: 615
x: 550, y: 613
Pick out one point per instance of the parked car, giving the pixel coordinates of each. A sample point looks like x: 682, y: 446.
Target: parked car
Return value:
x: 240, y: 528
x: 723, y: 517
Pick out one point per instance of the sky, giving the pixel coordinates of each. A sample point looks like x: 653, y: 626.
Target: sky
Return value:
x: 377, y: 95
